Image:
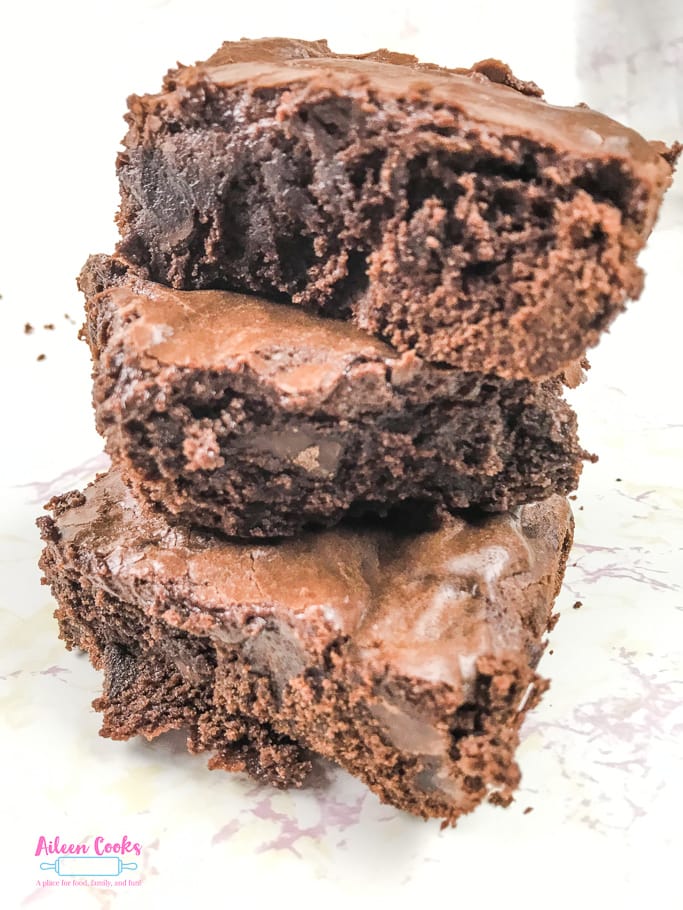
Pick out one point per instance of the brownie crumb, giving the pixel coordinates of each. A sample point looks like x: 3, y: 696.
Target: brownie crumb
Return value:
x: 49, y: 532
x: 500, y: 73
x: 28, y: 329
x: 41, y: 357
x: 670, y: 155
x: 551, y: 651
x: 528, y: 810
x: 618, y: 479
x: 553, y: 621
x: 577, y: 605
x: 62, y: 503
x: 573, y: 497
x: 49, y: 326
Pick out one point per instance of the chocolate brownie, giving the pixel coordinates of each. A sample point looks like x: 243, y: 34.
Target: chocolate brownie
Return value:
x: 454, y: 214
x: 259, y: 419
x: 408, y: 657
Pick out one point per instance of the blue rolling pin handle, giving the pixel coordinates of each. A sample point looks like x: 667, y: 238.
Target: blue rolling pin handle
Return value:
x: 55, y: 866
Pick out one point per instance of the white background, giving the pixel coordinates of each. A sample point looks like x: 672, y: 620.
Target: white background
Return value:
x: 603, y: 756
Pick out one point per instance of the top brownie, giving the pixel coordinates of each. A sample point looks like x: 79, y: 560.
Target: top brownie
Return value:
x: 450, y: 212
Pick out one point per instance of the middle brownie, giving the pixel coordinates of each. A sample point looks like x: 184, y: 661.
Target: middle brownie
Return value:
x: 257, y: 419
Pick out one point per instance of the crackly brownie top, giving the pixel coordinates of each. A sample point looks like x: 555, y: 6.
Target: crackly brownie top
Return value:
x: 429, y: 602
x: 488, y: 93
x: 295, y: 351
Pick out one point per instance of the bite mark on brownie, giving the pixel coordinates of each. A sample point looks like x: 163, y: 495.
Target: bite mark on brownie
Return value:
x: 456, y: 216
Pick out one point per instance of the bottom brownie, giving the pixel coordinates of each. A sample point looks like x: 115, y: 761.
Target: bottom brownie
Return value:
x: 405, y: 656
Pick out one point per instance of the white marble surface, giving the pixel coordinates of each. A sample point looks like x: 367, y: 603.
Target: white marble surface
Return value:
x: 602, y: 758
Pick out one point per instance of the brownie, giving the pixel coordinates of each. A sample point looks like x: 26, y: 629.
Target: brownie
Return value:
x: 452, y: 213
x: 256, y: 418
x: 407, y: 657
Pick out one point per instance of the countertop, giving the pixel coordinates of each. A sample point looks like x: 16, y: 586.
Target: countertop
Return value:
x: 602, y: 757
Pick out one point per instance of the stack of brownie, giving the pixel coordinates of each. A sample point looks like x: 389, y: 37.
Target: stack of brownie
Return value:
x: 329, y: 355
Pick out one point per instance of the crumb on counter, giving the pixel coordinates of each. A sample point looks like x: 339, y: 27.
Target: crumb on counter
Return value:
x: 577, y: 605
x: 41, y: 357
x: 28, y: 328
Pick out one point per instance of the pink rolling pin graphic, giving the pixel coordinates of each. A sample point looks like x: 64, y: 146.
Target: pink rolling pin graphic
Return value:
x: 88, y: 865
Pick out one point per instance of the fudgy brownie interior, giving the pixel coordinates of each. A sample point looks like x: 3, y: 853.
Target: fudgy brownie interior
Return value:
x: 255, y: 418
x: 452, y: 215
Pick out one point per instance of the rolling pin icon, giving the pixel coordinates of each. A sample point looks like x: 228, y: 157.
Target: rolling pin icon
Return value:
x: 88, y: 865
